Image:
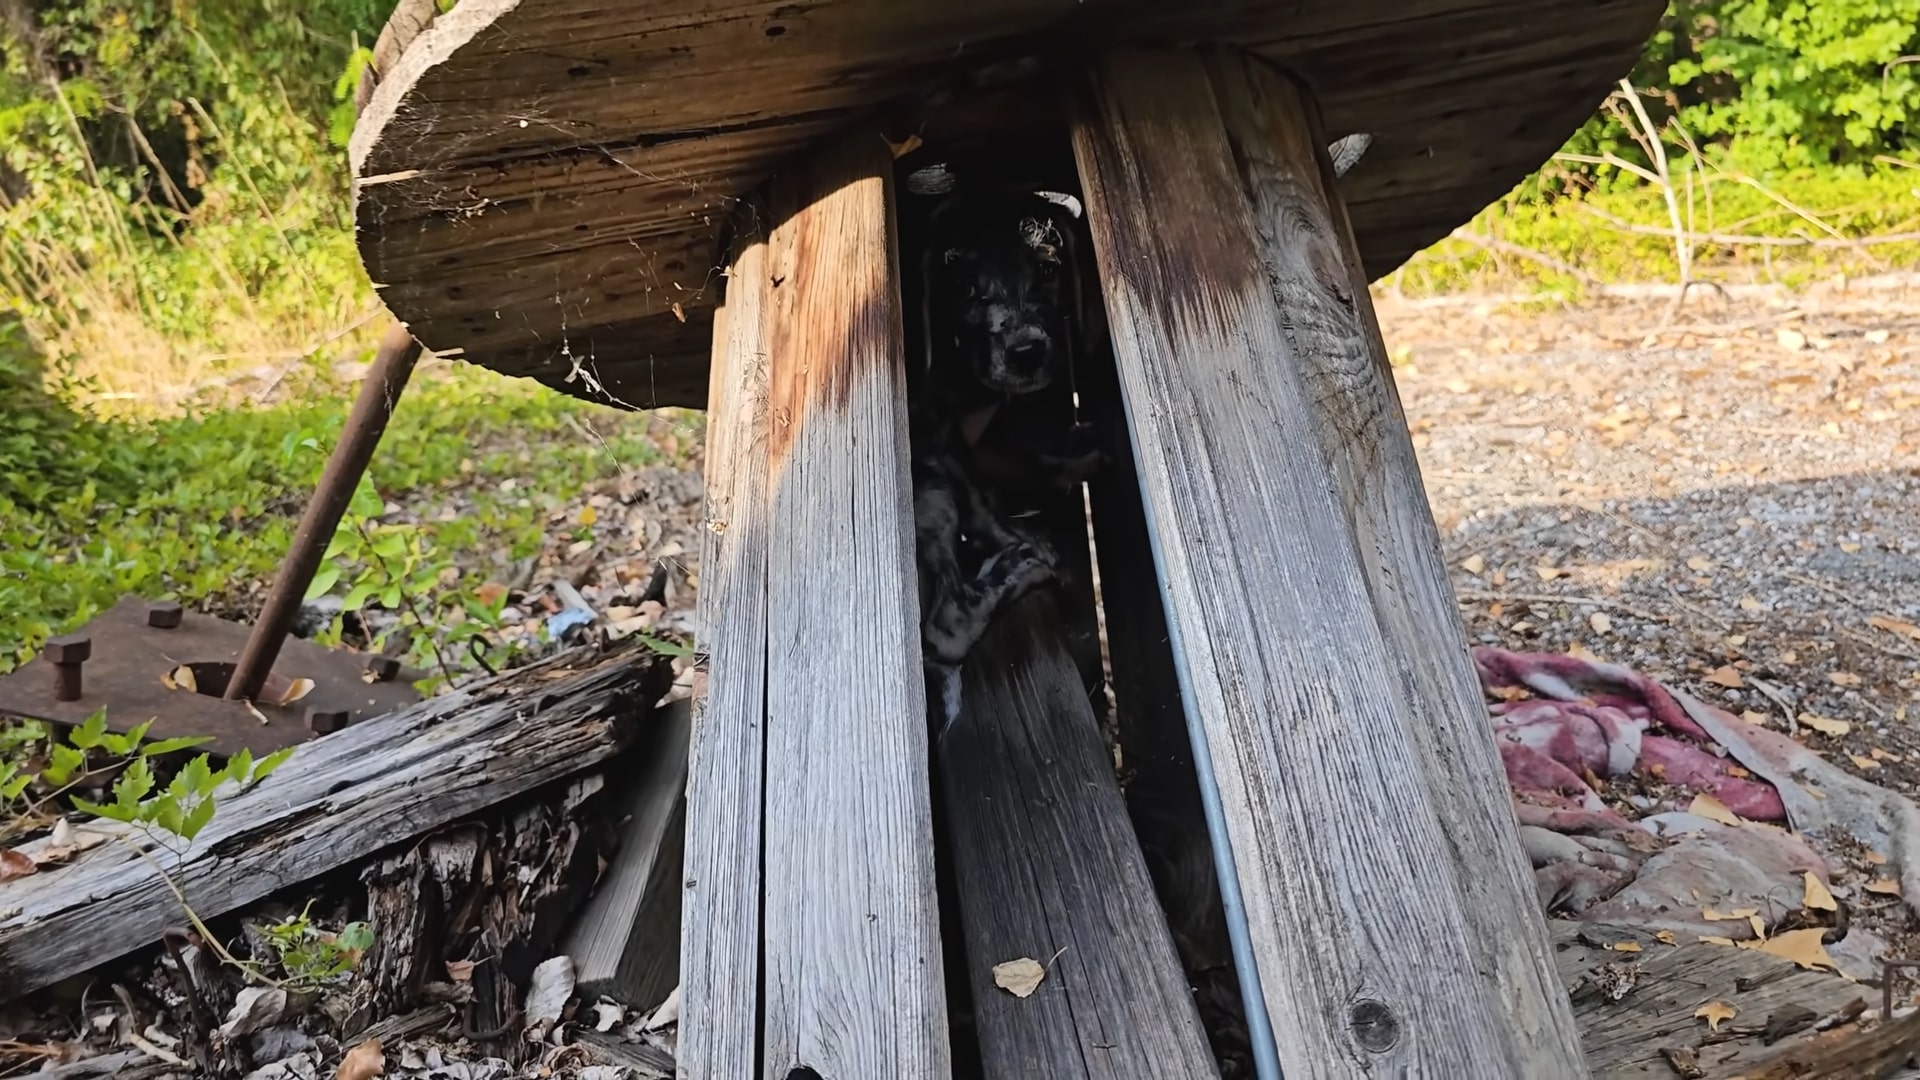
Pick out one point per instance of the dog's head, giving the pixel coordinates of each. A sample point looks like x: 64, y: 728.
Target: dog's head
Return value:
x: 1000, y: 290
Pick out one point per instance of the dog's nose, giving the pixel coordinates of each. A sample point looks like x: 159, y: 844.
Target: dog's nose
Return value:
x: 1027, y: 356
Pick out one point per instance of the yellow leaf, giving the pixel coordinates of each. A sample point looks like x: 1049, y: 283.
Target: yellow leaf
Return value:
x: 1845, y: 678
x: 1666, y: 937
x: 1864, y: 764
x: 1019, y: 977
x: 1600, y: 623
x: 1736, y: 640
x: 1895, y: 626
x: 1803, y: 947
x: 1725, y: 676
x: 1752, y: 717
x: 1884, y: 886
x: 1883, y: 755
x: 905, y: 146
x: 1548, y: 573
x: 1817, y: 896
x: 1713, y: 1012
x: 1826, y: 725
x: 1748, y: 603
x: 1713, y: 809
x: 1625, y: 946
x: 1711, y: 915
x: 296, y: 690
x: 1759, y: 927
x: 1474, y: 564
x: 180, y: 678
x: 1699, y: 564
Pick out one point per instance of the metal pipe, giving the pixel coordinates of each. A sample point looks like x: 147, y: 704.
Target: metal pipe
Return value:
x: 392, y: 367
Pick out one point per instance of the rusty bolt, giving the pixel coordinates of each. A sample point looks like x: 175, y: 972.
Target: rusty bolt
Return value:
x: 384, y: 668
x: 163, y: 616
x: 325, y: 721
x: 66, y: 654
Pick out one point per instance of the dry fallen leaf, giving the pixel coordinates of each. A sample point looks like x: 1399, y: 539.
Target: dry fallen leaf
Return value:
x: 1711, y: 915
x: 1884, y: 887
x: 1699, y: 564
x: 1876, y: 859
x: 1625, y: 946
x: 363, y: 1062
x: 1790, y: 339
x: 1548, y: 573
x: 1714, y: 939
x: 1726, y: 676
x: 460, y: 971
x: 1474, y: 564
x: 1818, y: 898
x: 1845, y: 678
x: 1019, y: 977
x: 1826, y: 725
x: 296, y: 690
x: 1666, y: 937
x: 1713, y: 810
x: 1600, y: 623
x: 1803, y: 947
x: 1713, y: 1012
x: 1895, y: 626
x: 1752, y: 717
x: 1864, y: 764
x: 180, y: 678
x: 14, y: 864
x: 1748, y: 603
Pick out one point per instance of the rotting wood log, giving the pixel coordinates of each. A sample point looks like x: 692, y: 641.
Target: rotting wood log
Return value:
x: 720, y: 911
x: 1392, y: 923
x: 338, y: 799
x: 1047, y: 868
x: 626, y: 944
x: 853, y: 978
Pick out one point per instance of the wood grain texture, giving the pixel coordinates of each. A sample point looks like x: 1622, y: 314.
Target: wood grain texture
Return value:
x: 854, y: 983
x: 480, y: 136
x: 720, y: 911
x: 336, y: 800
x: 625, y: 943
x: 1367, y: 836
x: 1628, y: 1038
x: 1047, y: 867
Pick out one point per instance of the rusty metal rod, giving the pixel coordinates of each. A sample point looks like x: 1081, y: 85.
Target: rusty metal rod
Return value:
x: 388, y: 376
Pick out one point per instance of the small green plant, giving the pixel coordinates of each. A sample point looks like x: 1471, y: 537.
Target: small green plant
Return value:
x: 312, y: 957
x: 187, y: 803
x: 69, y: 764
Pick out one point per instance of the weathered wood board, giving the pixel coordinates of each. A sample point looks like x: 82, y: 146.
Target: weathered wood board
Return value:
x: 720, y: 911
x: 543, y: 187
x: 1372, y: 840
x: 336, y: 800
x: 1047, y: 868
x: 811, y: 936
x: 853, y: 977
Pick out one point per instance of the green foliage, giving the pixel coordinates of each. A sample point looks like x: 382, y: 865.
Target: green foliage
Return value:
x: 312, y: 957
x: 27, y: 754
x: 187, y: 803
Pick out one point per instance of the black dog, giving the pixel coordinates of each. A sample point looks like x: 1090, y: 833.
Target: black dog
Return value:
x: 998, y: 291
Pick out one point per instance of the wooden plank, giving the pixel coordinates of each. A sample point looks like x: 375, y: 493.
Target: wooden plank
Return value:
x: 1663, y: 986
x: 854, y: 983
x: 336, y: 800
x: 720, y: 912
x: 625, y: 944
x: 1373, y: 841
x: 1047, y: 868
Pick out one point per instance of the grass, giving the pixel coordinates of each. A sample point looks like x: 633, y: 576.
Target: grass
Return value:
x: 200, y: 506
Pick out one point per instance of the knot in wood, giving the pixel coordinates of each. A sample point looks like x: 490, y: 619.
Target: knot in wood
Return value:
x: 1374, y: 1026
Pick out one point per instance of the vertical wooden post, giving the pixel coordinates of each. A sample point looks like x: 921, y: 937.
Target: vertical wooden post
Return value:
x: 720, y: 911
x: 1392, y: 919
x: 811, y: 937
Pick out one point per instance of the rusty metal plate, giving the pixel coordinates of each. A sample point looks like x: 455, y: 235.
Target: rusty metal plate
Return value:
x: 123, y: 675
